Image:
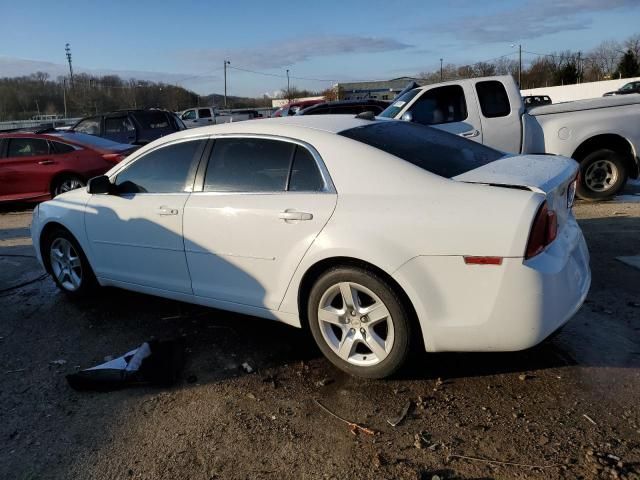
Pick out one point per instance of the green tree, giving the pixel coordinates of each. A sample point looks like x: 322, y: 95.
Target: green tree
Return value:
x: 628, y: 66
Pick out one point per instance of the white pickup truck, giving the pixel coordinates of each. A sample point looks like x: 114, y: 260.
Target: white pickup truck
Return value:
x: 201, y: 116
x: 602, y: 134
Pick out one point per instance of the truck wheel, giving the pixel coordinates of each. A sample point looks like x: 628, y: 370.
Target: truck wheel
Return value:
x: 603, y: 174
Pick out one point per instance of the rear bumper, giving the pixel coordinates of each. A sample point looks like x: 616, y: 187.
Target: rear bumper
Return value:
x: 508, y: 307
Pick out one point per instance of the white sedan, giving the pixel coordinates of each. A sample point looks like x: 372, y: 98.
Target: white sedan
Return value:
x: 381, y: 236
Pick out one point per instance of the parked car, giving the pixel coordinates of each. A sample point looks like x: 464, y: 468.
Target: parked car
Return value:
x: 201, y: 116
x: 602, y: 134
x: 137, y: 127
x: 37, y: 167
x: 294, y: 107
x: 353, y: 107
x: 381, y: 236
x: 627, y: 88
x: 536, y: 100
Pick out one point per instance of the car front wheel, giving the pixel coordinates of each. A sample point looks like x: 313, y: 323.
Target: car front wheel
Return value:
x: 68, y: 264
x: 359, y: 322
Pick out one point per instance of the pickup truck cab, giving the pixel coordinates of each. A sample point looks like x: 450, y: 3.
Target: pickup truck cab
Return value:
x: 201, y: 116
x: 602, y: 134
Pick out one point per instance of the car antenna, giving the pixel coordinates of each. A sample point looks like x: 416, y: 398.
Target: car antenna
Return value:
x: 366, y: 116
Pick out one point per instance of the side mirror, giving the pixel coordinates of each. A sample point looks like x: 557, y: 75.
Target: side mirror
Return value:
x: 100, y: 185
x: 407, y: 117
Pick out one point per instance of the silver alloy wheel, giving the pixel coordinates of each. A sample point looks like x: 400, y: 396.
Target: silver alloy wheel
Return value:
x: 355, y: 324
x: 67, y: 185
x: 66, y: 264
x: 601, y: 175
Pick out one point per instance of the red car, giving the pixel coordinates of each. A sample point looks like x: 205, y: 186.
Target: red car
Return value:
x: 293, y: 107
x: 39, y: 166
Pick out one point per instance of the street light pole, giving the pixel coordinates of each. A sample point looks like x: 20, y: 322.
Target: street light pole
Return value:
x: 226, y: 62
x: 440, y: 69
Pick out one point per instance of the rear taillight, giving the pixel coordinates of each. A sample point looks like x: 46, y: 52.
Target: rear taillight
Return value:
x: 543, y: 231
x: 113, y: 157
x: 571, y: 191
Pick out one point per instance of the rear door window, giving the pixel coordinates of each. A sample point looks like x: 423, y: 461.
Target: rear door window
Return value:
x: 494, y: 101
x: 61, y: 148
x: 204, y: 113
x: 305, y: 174
x: 248, y: 165
x: 152, y: 120
x: 429, y: 148
x: 440, y: 105
x: 120, y: 124
x: 27, y: 147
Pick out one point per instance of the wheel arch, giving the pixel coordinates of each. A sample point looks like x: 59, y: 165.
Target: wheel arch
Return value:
x: 317, y: 269
x: 46, y: 230
x: 613, y: 142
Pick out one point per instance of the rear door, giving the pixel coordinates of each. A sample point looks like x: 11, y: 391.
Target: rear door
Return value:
x: 26, y: 169
x: 451, y: 108
x: 119, y: 128
x: 500, y: 115
x: 205, y: 117
x: 262, y: 203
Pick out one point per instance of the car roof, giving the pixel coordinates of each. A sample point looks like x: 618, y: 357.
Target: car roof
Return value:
x: 280, y: 125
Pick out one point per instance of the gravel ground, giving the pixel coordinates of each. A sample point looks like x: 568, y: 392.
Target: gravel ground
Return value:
x: 565, y: 409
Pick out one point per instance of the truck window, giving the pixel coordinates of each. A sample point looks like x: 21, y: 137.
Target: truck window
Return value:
x: 494, y: 101
x: 204, y: 113
x: 440, y: 105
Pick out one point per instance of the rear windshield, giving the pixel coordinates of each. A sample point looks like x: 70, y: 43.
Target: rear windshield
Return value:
x: 91, y: 140
x: 431, y: 149
x: 152, y: 120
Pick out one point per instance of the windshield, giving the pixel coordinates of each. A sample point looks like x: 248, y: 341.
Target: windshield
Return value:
x: 431, y: 149
x: 91, y: 140
x: 399, y: 103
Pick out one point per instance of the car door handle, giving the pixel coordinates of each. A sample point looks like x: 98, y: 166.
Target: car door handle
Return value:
x: 45, y: 162
x: 294, y: 215
x: 470, y: 134
x: 167, y: 211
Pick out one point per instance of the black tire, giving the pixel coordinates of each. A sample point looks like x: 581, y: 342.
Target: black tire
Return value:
x: 603, y: 174
x: 66, y: 183
x: 398, y: 315
x: 88, y: 283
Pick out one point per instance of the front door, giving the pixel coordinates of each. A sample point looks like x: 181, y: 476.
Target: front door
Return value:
x: 263, y: 203
x: 135, y: 234
x: 449, y: 108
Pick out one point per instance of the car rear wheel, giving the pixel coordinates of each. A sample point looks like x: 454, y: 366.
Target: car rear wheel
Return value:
x: 66, y: 184
x: 359, y: 323
x: 68, y: 264
x: 603, y: 174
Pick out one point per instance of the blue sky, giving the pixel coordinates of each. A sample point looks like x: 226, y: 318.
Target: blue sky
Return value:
x: 185, y: 42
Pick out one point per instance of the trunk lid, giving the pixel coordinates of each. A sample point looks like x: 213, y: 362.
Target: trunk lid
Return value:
x: 547, y: 174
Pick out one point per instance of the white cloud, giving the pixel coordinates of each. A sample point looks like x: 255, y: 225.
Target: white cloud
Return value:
x: 289, y: 52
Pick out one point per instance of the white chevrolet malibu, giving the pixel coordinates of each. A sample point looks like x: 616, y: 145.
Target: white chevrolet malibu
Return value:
x: 380, y: 236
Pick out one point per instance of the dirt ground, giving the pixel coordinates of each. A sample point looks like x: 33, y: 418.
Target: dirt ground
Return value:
x: 565, y: 409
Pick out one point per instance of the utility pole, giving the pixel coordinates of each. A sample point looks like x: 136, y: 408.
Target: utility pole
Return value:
x: 67, y: 50
x: 520, y: 65
x: 440, y: 69
x: 579, y: 69
x: 64, y: 95
x: 288, y: 88
x: 226, y: 62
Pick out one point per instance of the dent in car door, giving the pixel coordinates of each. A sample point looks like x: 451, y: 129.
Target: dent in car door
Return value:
x: 244, y: 246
